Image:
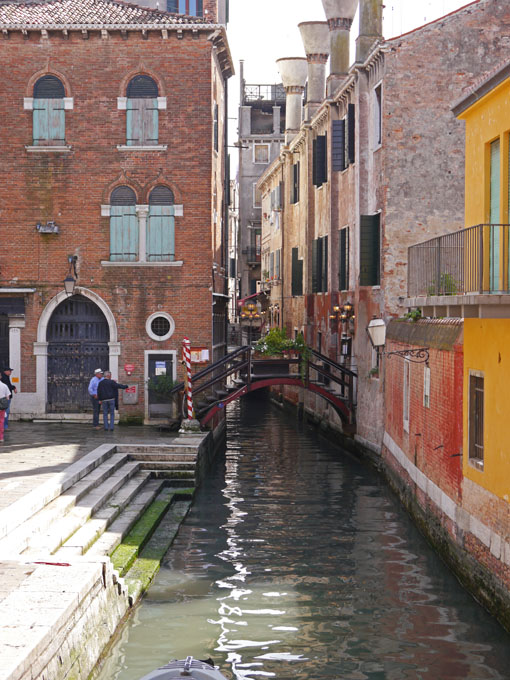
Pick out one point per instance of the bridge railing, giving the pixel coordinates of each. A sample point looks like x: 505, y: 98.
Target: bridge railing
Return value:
x: 328, y: 371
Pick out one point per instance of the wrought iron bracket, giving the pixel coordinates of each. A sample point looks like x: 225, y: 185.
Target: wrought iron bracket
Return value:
x: 419, y: 355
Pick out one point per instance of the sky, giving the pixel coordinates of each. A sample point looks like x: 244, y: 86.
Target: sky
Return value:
x: 263, y: 31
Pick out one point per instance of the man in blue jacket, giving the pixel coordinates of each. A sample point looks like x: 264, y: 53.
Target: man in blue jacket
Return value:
x: 94, y: 382
x: 108, y: 394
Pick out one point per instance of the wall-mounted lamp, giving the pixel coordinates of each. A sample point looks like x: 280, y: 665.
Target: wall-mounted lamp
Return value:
x: 70, y: 281
x: 342, y: 313
x: 376, y: 330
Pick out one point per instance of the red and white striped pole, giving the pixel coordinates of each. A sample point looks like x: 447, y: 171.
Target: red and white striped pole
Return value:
x: 186, y: 357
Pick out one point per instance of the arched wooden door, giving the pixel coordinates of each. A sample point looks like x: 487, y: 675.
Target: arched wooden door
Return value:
x: 77, y: 336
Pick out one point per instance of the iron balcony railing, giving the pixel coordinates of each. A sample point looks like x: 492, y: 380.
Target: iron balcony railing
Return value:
x: 253, y: 93
x: 468, y: 261
x: 252, y: 254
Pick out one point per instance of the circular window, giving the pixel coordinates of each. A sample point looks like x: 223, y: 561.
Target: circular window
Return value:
x: 160, y: 326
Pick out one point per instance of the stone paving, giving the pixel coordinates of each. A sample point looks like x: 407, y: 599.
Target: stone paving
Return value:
x: 33, y: 452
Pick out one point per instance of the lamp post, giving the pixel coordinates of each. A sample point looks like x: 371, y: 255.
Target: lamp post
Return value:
x: 376, y: 330
x: 70, y: 281
x: 250, y: 315
x: 341, y: 314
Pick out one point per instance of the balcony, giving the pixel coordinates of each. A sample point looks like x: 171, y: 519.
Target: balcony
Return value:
x: 467, y: 272
x: 252, y: 255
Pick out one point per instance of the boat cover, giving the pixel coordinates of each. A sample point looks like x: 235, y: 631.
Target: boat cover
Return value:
x: 188, y: 668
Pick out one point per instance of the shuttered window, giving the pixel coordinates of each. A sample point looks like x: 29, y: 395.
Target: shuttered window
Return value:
x: 370, y: 247
x: 297, y: 273
x: 193, y: 8
x: 320, y: 265
x: 142, y: 112
x: 215, y: 128
x: 476, y: 419
x: 338, y: 146
x: 48, y: 113
x: 294, y: 194
x: 320, y: 160
x: 123, y: 225
x: 377, y: 115
x: 161, y: 226
x: 277, y: 271
x: 351, y: 134
x: 271, y: 265
x: 495, y: 215
x: 343, y: 259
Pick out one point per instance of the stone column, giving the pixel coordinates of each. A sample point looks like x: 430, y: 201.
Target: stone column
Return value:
x: 16, y: 323
x: 315, y: 36
x: 293, y: 72
x: 142, y: 212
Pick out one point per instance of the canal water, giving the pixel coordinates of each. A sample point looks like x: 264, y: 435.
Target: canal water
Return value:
x: 296, y: 561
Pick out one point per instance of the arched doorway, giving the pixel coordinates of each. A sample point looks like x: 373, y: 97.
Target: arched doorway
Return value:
x: 77, y: 337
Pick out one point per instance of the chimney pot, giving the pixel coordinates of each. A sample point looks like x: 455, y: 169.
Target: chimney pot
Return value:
x: 293, y: 72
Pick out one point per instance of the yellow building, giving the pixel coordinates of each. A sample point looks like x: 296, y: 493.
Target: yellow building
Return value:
x: 486, y: 280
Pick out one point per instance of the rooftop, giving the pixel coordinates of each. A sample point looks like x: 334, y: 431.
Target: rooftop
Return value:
x: 89, y: 14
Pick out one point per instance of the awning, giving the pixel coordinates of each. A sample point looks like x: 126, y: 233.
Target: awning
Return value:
x: 12, y: 305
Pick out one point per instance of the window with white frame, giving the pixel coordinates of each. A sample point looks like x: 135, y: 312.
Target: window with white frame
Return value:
x: 194, y: 8
x: 257, y: 196
x: 160, y: 326
x: 407, y: 393
x: 142, y: 233
x: 261, y: 153
x: 426, y: 387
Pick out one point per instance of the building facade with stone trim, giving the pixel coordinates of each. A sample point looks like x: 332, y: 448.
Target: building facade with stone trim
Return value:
x: 113, y: 173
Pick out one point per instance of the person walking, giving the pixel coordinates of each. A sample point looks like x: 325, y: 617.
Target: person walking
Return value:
x: 5, y: 397
x: 94, y: 382
x: 6, y: 379
x: 108, y: 394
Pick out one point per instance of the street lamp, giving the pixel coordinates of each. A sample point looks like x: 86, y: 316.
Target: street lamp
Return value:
x: 376, y: 330
x: 250, y: 315
x: 70, y: 281
x: 343, y: 313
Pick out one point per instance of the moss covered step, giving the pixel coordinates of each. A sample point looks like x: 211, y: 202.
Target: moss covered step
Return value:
x: 148, y: 562
x: 136, y: 539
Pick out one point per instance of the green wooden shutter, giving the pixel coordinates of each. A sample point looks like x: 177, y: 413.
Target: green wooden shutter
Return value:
x: 216, y: 128
x: 315, y: 281
x: 161, y: 234
x: 41, y: 125
x: 134, y: 125
x: 338, y: 146
x: 370, y: 245
x: 351, y: 124
x: 123, y: 233
x: 56, y: 121
x: 321, y: 160
x: 324, y: 264
x: 314, y: 163
x: 343, y: 259
x: 149, y: 117
x: 294, y: 269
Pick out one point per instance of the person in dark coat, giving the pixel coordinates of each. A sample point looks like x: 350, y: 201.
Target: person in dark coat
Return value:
x: 6, y: 379
x: 108, y: 395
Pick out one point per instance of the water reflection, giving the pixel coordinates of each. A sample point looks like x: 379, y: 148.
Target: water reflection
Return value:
x: 296, y: 562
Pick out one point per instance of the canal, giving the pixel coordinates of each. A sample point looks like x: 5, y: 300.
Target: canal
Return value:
x: 296, y: 561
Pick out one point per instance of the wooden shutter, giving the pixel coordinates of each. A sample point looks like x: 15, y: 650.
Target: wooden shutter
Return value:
x: 338, y: 146
x: 294, y: 270
x: 351, y: 123
x: 271, y: 265
x: 314, y: 163
x: 315, y: 281
x: 161, y: 234
x: 123, y: 233
x: 324, y: 264
x: 48, y: 122
x: 324, y: 159
x: 149, y: 115
x: 321, y: 161
x: 476, y: 418
x: 215, y: 128
x: 370, y: 245
x: 134, y: 125
x: 495, y: 215
x: 343, y: 259
x: 277, y: 264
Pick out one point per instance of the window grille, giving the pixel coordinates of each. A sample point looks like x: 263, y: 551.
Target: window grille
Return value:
x: 160, y: 326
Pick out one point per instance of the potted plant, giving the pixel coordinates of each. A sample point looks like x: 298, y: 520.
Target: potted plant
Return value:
x: 276, y: 344
x: 161, y: 402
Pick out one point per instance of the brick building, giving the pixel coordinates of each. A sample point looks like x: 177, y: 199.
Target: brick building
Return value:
x: 112, y: 173
x: 377, y: 157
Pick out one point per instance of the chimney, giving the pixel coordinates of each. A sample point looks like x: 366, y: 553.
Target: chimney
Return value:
x: 293, y: 72
x: 339, y: 14
x: 315, y: 36
x: 370, y: 27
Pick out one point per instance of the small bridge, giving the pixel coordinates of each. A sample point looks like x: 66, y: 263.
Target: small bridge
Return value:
x: 240, y: 373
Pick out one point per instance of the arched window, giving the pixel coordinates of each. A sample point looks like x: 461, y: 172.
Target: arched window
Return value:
x: 49, y: 115
x: 194, y: 8
x: 142, y: 112
x: 123, y: 225
x: 160, y: 226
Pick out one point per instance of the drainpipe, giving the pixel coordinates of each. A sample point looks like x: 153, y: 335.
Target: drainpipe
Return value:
x: 340, y: 14
x: 315, y: 36
x: 293, y: 72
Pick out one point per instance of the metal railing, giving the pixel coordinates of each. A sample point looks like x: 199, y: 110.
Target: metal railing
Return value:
x: 472, y: 260
x: 252, y: 254
x: 254, y: 93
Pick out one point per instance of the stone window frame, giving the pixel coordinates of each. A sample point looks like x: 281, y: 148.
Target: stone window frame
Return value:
x: 150, y: 332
